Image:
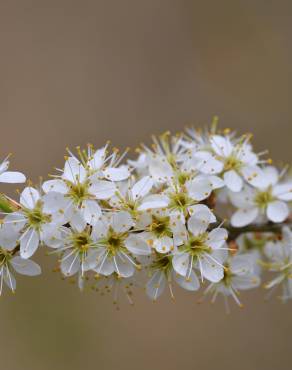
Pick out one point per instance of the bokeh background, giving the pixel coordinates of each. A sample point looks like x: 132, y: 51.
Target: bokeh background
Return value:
x: 74, y: 72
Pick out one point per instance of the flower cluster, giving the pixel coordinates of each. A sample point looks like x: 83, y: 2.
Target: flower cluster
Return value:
x: 159, y: 218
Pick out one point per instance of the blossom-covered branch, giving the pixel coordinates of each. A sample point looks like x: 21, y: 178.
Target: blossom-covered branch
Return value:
x: 156, y: 220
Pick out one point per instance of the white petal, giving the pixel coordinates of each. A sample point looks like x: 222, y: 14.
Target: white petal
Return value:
x: 164, y: 244
x: 211, y: 270
x: 70, y: 263
x: 100, y: 228
x: 217, y: 237
x: 74, y: 170
x: 91, y: 211
x: 12, y: 177
x: 97, y: 160
x: 277, y: 211
x: 275, y: 251
x: 53, y: 237
x: 90, y: 261
x: 25, y: 266
x: 216, y: 182
x: 9, y: 279
x: 199, y: 222
x: 160, y: 169
x: 105, y: 265
x: 4, y: 166
x: 283, y: 191
x: 254, y: 175
x: 117, y: 174
x: 154, y: 201
x: 123, y: 266
x: 199, y: 188
x: 122, y: 221
x: 271, y: 175
x: 246, y: 282
x: 244, y: 198
x: 29, y: 197
x: 137, y: 245
x: 193, y: 210
x: 9, y: 237
x: 221, y: 145
x: 16, y: 220
x: 179, y: 230
x: 103, y: 189
x: 242, y: 264
x: 77, y: 220
x: 56, y: 204
x: 55, y: 185
x: 244, y: 217
x: 180, y: 263
x: 29, y: 243
x: 233, y: 181
x: 140, y: 163
x: 156, y: 285
x: 206, y: 163
x: 191, y: 283
x: 142, y: 187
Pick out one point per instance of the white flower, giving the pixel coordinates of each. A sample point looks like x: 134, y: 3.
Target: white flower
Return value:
x: 77, y: 246
x: 201, y: 250
x: 11, y: 177
x: 164, y: 231
x: 163, y: 159
x: 109, y: 167
x: 162, y: 274
x: 79, y: 193
x: 9, y: 262
x: 183, y: 197
x: 235, y: 159
x: 30, y: 225
x: 279, y: 254
x: 117, y: 246
x: 240, y: 273
x: 269, y: 200
x: 132, y: 197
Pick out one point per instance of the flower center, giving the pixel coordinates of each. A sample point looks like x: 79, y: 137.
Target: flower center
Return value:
x: 160, y: 226
x: 197, y: 245
x: 36, y: 218
x: 78, y: 192
x: 263, y: 198
x: 115, y: 242
x: 232, y: 163
x: 81, y: 241
x: 179, y: 201
x: 162, y: 262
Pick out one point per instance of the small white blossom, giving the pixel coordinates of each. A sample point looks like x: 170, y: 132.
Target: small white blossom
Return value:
x: 30, y: 224
x: 279, y: 254
x: 266, y: 201
x: 240, y: 273
x: 117, y: 246
x: 202, y: 250
x: 162, y: 275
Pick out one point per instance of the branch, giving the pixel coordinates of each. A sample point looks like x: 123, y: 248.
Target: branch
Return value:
x: 235, y: 232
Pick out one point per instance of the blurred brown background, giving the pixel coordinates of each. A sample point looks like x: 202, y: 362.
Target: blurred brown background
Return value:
x: 74, y: 72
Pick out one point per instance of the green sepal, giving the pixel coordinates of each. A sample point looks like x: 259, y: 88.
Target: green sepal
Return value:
x: 5, y: 205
